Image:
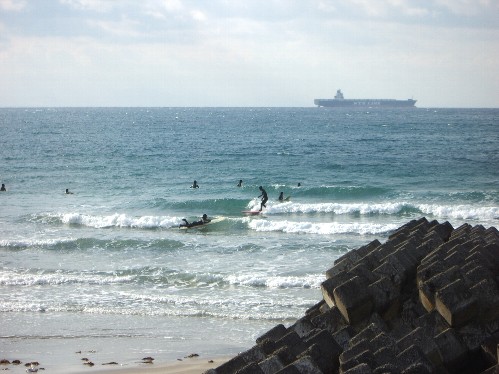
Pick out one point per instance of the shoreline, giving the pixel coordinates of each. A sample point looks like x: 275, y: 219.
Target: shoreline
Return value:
x: 193, y: 365
x: 188, y: 365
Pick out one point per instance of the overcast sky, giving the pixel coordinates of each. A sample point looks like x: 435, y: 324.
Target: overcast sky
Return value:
x: 444, y: 53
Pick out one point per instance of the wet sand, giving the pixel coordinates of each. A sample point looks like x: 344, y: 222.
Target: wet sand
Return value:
x: 189, y: 365
x: 195, y: 365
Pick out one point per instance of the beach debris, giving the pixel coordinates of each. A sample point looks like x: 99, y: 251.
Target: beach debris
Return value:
x: 33, y: 363
x: 16, y: 362
x: 192, y: 355
x: 89, y: 363
x: 78, y: 352
x: 84, y: 359
x: 32, y: 367
x: 110, y: 363
x: 4, y: 362
x: 210, y: 361
x: 147, y: 360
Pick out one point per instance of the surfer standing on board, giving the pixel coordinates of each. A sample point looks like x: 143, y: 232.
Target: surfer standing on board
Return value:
x: 264, y: 197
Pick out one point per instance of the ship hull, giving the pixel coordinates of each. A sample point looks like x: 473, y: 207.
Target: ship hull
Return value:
x: 365, y: 103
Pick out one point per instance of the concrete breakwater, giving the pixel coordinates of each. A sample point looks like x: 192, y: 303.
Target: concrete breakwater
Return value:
x: 425, y: 301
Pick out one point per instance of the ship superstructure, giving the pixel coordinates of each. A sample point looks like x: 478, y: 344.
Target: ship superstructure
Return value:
x: 339, y: 101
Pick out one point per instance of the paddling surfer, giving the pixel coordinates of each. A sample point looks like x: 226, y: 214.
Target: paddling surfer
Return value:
x: 204, y: 219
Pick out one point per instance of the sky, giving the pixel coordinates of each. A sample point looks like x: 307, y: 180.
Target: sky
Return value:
x: 251, y: 53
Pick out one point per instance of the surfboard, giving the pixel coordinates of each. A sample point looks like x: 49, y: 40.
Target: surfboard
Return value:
x: 252, y: 212
x: 213, y: 220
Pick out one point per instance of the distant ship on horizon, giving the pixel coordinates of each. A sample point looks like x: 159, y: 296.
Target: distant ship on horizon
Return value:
x: 340, y: 102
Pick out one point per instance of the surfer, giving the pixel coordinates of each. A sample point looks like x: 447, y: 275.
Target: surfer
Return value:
x: 195, y: 185
x: 68, y: 192
x: 264, y: 197
x: 204, y: 219
x: 281, y: 196
x: 3, y: 188
x: 240, y: 184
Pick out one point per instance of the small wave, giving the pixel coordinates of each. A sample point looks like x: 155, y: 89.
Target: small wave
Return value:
x: 117, y: 220
x: 335, y: 208
x: 275, y: 281
x: 321, y: 228
x: 465, y: 212
x: 30, y: 278
x: 27, y: 243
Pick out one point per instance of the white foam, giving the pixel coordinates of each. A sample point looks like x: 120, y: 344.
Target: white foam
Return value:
x: 274, y: 282
x: 25, y: 243
x: 9, y: 278
x: 321, y: 228
x: 120, y: 220
x: 383, y: 208
x: 464, y: 212
x: 336, y: 208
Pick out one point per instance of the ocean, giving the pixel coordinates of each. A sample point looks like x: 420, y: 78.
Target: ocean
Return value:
x: 106, y: 270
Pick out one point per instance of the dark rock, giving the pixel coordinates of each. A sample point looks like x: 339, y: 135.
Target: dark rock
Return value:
x: 302, y: 365
x: 413, y: 355
x: 331, y: 320
x: 424, y: 342
x: 386, y: 298
x: 456, y: 303
x: 273, y: 334
x: 451, y: 348
x: 251, y: 368
x: 293, y: 342
x: 303, y: 326
x: 359, y: 369
x: 353, y: 300
x: 342, y: 337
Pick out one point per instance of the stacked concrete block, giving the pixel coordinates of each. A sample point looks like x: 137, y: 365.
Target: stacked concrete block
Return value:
x: 424, y: 301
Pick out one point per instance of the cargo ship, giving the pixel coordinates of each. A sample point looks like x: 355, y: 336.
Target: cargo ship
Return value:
x: 340, y: 102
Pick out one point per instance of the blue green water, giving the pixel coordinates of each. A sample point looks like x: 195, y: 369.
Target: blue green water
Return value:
x: 109, y: 264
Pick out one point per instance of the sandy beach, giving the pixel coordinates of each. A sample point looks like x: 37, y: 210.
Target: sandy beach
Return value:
x: 193, y: 365
x: 188, y: 365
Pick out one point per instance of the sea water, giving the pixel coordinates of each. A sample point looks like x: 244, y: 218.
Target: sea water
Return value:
x: 107, y: 271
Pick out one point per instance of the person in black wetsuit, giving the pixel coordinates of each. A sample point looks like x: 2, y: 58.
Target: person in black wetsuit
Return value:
x: 202, y: 221
x: 195, y: 185
x: 3, y: 188
x: 264, y: 197
x: 281, y: 196
x: 240, y: 184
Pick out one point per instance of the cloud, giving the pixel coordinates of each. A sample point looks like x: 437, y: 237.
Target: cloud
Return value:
x: 12, y: 5
x: 100, y: 6
x: 273, y: 52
